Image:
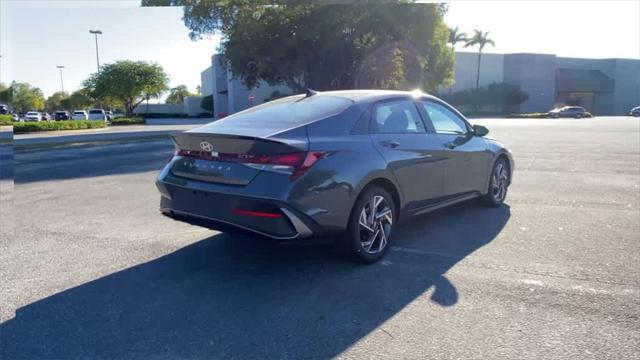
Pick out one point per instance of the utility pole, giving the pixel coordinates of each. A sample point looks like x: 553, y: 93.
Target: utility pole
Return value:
x: 61, y: 81
x: 96, y: 33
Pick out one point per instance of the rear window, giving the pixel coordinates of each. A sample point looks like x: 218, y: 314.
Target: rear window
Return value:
x: 78, y: 112
x: 95, y: 111
x: 32, y: 113
x: 287, y: 112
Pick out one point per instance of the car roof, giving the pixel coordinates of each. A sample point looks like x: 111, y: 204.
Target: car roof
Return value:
x: 370, y: 95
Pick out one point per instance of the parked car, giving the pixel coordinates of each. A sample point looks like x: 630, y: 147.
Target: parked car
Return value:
x: 4, y: 109
x: 80, y: 115
x: 15, y: 117
x: 568, y: 111
x: 635, y: 111
x: 109, y: 115
x: 62, y: 115
x: 46, y: 116
x: 32, y: 116
x: 97, y: 114
x: 348, y: 164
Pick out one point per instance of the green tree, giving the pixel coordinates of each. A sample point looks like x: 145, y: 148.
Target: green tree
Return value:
x: 5, y: 94
x: 128, y: 82
x: 54, y: 102
x: 177, y: 94
x: 25, y: 97
x: 481, y: 39
x: 326, y: 46
x: 456, y: 36
x: 207, y: 103
x: 79, y: 99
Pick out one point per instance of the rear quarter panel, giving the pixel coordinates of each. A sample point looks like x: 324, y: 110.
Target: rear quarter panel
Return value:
x: 328, y: 191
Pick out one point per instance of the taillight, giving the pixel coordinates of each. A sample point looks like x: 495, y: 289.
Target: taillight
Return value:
x: 295, y: 164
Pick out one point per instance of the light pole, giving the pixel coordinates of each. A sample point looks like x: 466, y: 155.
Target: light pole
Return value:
x: 96, y: 33
x: 61, y: 82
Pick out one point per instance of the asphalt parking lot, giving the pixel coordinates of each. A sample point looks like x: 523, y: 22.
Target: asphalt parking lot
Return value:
x: 91, y: 270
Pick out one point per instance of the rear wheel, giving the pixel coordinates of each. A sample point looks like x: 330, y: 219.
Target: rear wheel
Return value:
x: 367, y: 237
x: 498, y: 184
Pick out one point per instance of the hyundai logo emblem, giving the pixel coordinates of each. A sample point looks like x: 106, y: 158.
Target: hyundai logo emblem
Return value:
x: 206, y: 146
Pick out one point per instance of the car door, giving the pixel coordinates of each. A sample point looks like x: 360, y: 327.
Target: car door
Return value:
x: 467, y: 159
x: 399, y: 134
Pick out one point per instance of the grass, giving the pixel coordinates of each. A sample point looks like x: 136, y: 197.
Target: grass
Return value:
x: 23, y: 127
x: 6, y: 120
x: 127, y: 121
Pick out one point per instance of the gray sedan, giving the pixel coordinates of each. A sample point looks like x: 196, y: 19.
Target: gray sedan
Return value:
x: 346, y: 164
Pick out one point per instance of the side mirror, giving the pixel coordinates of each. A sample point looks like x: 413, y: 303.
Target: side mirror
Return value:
x: 480, y: 130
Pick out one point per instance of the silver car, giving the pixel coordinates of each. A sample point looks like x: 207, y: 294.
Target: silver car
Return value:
x: 97, y: 114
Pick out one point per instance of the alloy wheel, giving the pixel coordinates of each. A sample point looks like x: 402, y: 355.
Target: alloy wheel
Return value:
x: 375, y: 221
x: 499, y: 182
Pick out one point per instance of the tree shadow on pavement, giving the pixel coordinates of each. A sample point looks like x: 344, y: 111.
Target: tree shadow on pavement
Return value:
x: 237, y: 296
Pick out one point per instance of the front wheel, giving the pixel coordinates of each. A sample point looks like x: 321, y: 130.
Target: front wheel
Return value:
x: 498, y: 184
x: 372, y: 218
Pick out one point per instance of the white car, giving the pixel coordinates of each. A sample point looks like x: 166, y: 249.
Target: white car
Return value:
x: 80, y: 115
x: 32, y: 116
x: 97, y: 114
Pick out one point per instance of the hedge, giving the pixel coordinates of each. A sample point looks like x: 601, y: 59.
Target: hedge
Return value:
x: 22, y: 127
x: 6, y: 120
x: 127, y: 121
x: 540, y: 115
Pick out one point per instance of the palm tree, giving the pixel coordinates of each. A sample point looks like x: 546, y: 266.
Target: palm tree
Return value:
x: 456, y: 36
x: 481, y: 39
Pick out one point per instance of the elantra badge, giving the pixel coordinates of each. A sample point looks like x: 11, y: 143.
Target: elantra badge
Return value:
x: 206, y: 146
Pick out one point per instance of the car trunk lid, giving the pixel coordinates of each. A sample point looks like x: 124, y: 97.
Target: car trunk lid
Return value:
x: 231, y: 158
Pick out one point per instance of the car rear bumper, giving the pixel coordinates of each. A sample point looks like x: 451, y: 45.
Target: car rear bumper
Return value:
x: 230, y: 212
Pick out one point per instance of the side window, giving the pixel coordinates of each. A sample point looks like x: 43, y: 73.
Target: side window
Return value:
x: 444, y: 120
x: 394, y: 117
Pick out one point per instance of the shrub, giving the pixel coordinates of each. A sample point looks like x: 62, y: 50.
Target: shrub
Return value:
x: 127, y: 121
x: 529, y: 116
x: 6, y: 120
x: 495, y: 98
x: 539, y: 115
x: 207, y: 103
x: 23, y: 127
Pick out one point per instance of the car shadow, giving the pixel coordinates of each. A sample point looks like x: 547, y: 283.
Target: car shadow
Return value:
x: 236, y: 296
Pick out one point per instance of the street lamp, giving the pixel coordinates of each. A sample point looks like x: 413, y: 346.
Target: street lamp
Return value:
x: 96, y: 33
x: 61, y: 82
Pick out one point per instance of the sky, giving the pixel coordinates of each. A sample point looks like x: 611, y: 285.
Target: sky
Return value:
x: 36, y: 36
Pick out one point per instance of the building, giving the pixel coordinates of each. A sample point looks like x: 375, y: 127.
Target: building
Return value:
x: 230, y: 95
x: 206, y: 81
x: 602, y: 86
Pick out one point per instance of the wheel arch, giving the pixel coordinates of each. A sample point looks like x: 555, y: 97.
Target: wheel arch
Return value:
x: 387, y: 185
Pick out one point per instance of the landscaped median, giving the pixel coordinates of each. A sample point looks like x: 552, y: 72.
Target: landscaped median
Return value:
x: 127, y: 121
x: 24, y: 127
x: 539, y: 115
x: 6, y: 120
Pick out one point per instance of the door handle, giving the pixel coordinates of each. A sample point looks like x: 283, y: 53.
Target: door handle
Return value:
x: 391, y: 144
x: 450, y: 145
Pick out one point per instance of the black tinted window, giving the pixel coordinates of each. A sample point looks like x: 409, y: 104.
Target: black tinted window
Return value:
x: 396, y: 117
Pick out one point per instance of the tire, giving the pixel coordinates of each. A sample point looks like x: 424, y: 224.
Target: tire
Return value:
x: 368, y: 240
x: 498, y: 184
x: 578, y: 116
